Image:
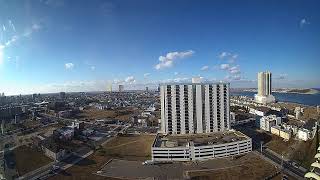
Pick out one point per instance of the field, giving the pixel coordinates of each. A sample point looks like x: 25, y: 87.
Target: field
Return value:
x: 250, y: 166
x: 129, y: 147
x: 93, y: 114
x: 298, y: 151
x: 305, y: 152
x: 134, y: 147
x: 282, y: 147
x: 28, y: 159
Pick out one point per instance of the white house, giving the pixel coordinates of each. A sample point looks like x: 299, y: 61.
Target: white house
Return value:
x: 304, y: 134
x: 266, y: 122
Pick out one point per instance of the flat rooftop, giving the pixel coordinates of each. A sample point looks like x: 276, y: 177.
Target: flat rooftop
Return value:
x: 199, y: 139
x: 190, y: 83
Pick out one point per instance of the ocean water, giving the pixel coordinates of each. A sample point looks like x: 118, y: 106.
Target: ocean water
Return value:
x: 307, y: 99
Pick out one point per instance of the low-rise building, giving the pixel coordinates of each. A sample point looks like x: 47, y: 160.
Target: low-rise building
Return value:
x: 65, y: 114
x: 304, y: 134
x: 292, y: 128
x: 53, y: 150
x: 283, y: 133
x: 200, y: 146
x: 259, y: 111
x: 266, y: 122
x: 64, y: 133
x: 88, y: 132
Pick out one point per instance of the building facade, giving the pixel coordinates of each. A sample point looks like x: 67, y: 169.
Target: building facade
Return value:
x: 283, y: 133
x: 264, y: 88
x: 192, y: 151
x: 194, y: 108
x: 266, y: 122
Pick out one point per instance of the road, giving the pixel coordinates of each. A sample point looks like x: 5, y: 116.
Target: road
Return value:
x: 276, y: 158
x: 286, y: 165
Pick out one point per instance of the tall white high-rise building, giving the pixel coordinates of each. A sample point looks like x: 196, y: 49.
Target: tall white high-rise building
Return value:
x: 264, y: 88
x: 194, y: 108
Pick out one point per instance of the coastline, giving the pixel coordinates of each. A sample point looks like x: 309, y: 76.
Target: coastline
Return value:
x: 311, y: 92
x: 303, y: 99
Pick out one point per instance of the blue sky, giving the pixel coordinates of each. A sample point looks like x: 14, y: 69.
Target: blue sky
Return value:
x: 54, y: 45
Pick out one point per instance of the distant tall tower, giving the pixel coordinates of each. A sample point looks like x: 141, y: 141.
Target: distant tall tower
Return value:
x: 109, y: 88
x: 62, y: 95
x: 147, y: 89
x: 264, y: 88
x: 121, y: 88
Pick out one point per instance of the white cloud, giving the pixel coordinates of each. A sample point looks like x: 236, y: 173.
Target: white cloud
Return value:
x: 36, y: 26
x: 236, y: 77
x: 223, y: 55
x: 168, y: 60
x: 69, y: 66
x: 12, y: 40
x: 205, y: 68
x: 281, y: 76
x: 235, y: 70
x: 53, y: 3
x: 176, y: 73
x: 118, y: 81
x: 175, y: 80
x: 230, y: 57
x: 146, y: 75
x: 224, y: 66
x: 130, y: 79
x: 28, y: 31
x: 92, y: 68
x: 303, y: 22
x: 107, y: 8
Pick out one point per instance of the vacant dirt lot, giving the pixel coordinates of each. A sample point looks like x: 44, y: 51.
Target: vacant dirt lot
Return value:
x: 93, y: 114
x: 28, y: 159
x: 250, y: 166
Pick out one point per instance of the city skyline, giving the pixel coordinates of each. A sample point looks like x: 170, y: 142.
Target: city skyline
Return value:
x: 52, y: 46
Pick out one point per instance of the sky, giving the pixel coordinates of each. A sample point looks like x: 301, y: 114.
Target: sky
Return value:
x: 80, y: 45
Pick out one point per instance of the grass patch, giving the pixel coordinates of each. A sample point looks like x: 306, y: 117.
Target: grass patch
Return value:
x: 245, y: 168
x: 29, y: 159
x: 305, y: 153
x: 134, y: 146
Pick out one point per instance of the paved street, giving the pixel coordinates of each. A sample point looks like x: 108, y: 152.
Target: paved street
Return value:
x: 286, y: 165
